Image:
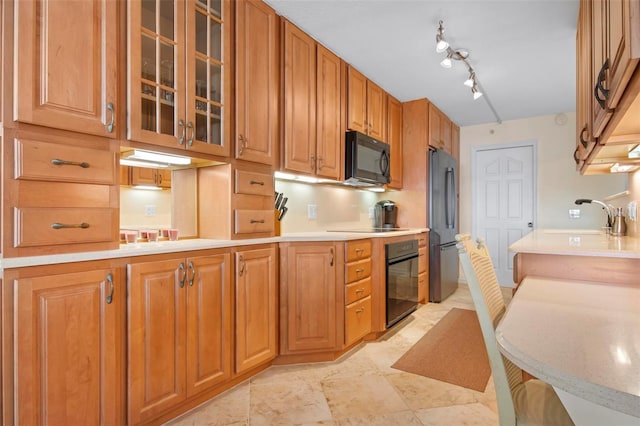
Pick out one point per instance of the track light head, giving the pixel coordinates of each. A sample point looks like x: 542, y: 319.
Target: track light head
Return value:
x: 441, y: 43
x: 471, y: 81
x: 447, y: 62
x: 476, y: 93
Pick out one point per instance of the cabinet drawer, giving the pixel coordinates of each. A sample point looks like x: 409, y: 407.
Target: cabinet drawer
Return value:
x: 356, y: 250
x: 357, y: 290
x: 422, y: 240
x: 253, y: 183
x: 35, y: 226
x: 358, y: 270
x: 358, y: 320
x: 422, y: 259
x: 254, y: 221
x: 423, y: 288
x: 36, y: 160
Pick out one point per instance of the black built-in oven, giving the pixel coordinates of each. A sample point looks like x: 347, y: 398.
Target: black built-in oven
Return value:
x: 402, y: 280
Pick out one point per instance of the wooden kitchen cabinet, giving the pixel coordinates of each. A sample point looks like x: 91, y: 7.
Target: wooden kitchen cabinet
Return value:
x: 63, y: 339
x: 311, y: 301
x: 151, y: 177
x: 357, y: 290
x: 179, y: 331
x: 179, y: 91
x: 439, y: 130
x: 584, y: 119
x: 257, y: 82
x: 394, y: 139
x: 366, y: 106
x: 313, y: 106
x: 66, y: 69
x: 256, y: 292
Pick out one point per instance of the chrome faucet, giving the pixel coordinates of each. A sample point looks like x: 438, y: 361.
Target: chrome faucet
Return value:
x: 607, y: 208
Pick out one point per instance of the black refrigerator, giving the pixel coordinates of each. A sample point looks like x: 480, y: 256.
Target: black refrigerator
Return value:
x: 443, y: 223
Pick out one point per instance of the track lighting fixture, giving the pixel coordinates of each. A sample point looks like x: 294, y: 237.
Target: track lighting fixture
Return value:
x: 462, y: 55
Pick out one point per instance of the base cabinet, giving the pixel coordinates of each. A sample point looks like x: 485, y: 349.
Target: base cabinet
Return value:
x: 62, y: 339
x: 256, y: 307
x: 179, y: 331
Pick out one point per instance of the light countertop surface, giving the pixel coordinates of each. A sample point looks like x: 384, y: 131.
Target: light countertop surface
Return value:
x: 577, y: 242
x: 162, y: 247
x: 581, y: 337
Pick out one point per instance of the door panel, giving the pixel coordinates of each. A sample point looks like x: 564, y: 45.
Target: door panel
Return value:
x: 504, y: 202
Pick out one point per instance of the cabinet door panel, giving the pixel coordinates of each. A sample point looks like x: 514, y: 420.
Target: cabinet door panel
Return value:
x: 67, y: 64
x: 435, y: 134
x: 310, y: 299
x: 67, y: 347
x: 394, y: 139
x: 256, y: 308
x: 622, y: 63
x: 256, y: 82
x: 376, y: 112
x: 208, y: 322
x: 356, y: 101
x: 329, y: 131
x: 299, y: 100
x: 157, y: 339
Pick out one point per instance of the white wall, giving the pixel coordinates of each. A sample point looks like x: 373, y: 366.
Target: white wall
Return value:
x: 558, y: 183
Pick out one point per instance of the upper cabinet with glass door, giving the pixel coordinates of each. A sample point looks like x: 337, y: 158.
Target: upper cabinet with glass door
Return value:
x: 179, y: 69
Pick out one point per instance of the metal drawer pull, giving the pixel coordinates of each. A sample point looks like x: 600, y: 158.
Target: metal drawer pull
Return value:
x: 359, y: 310
x: 331, y: 263
x: 111, y: 124
x: 184, y: 274
x: 59, y: 162
x: 256, y: 221
x: 360, y: 290
x: 359, y: 270
x: 193, y: 273
x: 110, y: 281
x: 256, y: 182
x: 193, y: 133
x: 359, y: 250
x: 182, y: 136
x: 241, y: 271
x: 82, y: 225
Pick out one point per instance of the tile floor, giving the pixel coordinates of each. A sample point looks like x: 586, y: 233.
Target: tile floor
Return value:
x: 360, y: 388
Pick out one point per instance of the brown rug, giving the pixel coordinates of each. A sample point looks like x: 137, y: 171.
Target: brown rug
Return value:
x: 453, y: 351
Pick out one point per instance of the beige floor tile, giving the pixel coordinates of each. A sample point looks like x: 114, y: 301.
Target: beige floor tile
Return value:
x: 459, y: 415
x: 402, y: 418
x: 229, y: 408
x: 422, y: 392
x: 292, y: 402
x: 361, y: 396
x: 287, y: 373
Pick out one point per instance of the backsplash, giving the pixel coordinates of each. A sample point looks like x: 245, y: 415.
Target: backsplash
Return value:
x: 137, y: 204
x: 336, y: 207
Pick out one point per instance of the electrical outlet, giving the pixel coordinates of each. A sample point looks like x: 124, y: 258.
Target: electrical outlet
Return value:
x: 632, y: 211
x: 574, y: 213
x: 372, y: 212
x: 150, y: 210
x: 312, y: 211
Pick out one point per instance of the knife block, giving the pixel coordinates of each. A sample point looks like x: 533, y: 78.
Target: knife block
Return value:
x: 276, y: 224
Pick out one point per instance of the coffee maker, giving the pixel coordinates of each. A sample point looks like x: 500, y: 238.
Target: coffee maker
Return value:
x: 385, y: 214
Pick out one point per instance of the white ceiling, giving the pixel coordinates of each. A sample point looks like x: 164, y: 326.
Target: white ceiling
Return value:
x: 523, y: 51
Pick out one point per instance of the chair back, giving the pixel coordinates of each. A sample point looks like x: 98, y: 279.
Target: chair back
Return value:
x: 489, y: 303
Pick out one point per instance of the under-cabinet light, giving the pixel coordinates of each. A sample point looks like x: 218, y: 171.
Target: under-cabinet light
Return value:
x: 635, y: 152
x: 147, y: 187
x: 157, y: 157
x: 617, y: 168
x: 136, y: 163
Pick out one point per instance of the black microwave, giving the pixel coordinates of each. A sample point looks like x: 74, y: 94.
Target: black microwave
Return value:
x: 366, y: 160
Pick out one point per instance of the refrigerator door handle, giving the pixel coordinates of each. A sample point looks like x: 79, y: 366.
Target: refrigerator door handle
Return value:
x: 450, y: 199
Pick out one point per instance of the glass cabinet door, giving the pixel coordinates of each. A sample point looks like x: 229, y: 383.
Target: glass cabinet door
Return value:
x: 156, y: 72
x: 208, y: 53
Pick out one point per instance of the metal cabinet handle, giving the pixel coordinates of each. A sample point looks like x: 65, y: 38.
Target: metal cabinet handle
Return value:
x: 183, y: 135
x: 582, y: 141
x: 331, y: 262
x: 193, y: 133
x: 359, y: 310
x: 184, y: 274
x: 360, y: 290
x: 111, y: 290
x: 59, y: 162
x: 359, y: 270
x: 320, y: 163
x: 193, y: 273
x: 359, y: 251
x: 158, y: 178
x: 110, y: 126
x: 575, y: 156
x: 256, y: 182
x: 256, y: 221
x: 57, y: 225
x: 312, y: 162
x: 242, y: 263
x: 599, y: 88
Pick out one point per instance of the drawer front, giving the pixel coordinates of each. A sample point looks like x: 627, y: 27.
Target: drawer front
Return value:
x: 253, y: 183
x: 356, y: 250
x: 358, y: 320
x: 423, y: 288
x: 54, y: 226
x: 253, y: 221
x: 357, y: 290
x: 422, y: 240
x: 35, y: 160
x: 358, y: 270
x: 422, y: 259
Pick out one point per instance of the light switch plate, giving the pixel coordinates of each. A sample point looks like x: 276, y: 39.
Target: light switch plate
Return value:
x: 150, y: 210
x: 312, y: 211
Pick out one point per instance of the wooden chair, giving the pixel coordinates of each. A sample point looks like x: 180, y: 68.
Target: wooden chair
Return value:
x: 523, y: 403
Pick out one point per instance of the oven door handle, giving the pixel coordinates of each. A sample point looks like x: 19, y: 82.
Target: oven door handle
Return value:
x: 402, y: 259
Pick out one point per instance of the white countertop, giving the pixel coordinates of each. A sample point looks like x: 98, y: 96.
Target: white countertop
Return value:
x: 577, y: 242
x: 581, y: 337
x: 144, y: 249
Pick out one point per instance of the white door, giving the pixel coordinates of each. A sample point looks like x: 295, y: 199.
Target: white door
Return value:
x: 503, y: 201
